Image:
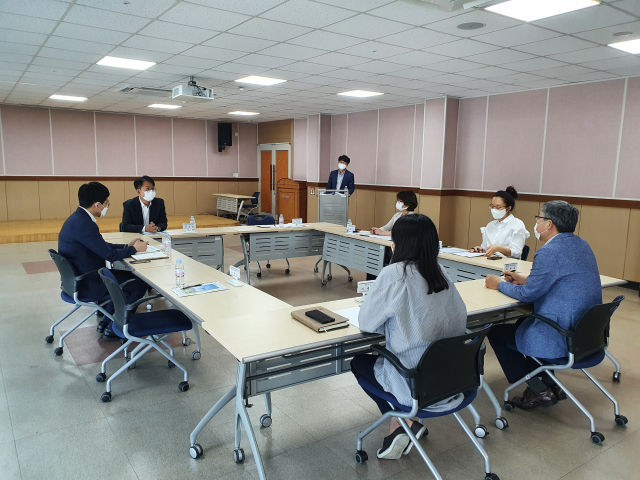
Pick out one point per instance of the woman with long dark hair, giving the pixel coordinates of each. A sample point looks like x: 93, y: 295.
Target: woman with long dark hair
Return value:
x: 413, y: 303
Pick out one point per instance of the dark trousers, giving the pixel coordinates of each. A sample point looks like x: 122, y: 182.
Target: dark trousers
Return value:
x: 514, y: 364
x: 362, y: 366
x: 132, y: 291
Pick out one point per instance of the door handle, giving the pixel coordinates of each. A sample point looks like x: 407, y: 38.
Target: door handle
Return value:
x: 270, y: 178
x: 273, y: 176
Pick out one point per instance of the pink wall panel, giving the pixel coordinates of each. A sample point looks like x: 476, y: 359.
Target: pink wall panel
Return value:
x: 628, y: 184
x: 362, y: 146
x: 189, y: 157
x: 300, y: 149
x: 115, y: 140
x: 248, y: 145
x: 472, y: 114
x: 418, y: 128
x: 450, y: 141
x: 27, y: 140
x: 338, y: 138
x: 583, y: 128
x: 74, y: 147
x: 515, y: 133
x: 395, y: 145
x: 433, y: 141
x: 325, y: 146
x: 225, y: 163
x: 313, y: 151
x: 153, y: 144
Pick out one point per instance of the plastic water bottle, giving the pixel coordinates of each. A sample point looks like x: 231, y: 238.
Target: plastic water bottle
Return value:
x: 192, y: 222
x: 281, y: 221
x: 349, y: 226
x: 179, y: 274
x: 166, y: 244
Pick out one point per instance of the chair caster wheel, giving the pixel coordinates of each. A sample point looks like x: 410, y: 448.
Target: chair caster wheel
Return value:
x: 287, y: 271
x: 170, y: 364
x: 238, y: 455
x: 329, y: 277
x: 258, y: 275
x: 58, y: 351
x: 616, y: 375
x: 49, y: 339
x: 183, y: 386
x: 106, y: 397
x: 621, y: 420
x: 186, y: 341
x: 597, y: 438
x: 501, y: 423
x: 361, y: 456
x: 481, y: 431
x: 491, y: 476
x: 195, y: 451
x: 350, y: 279
x: 324, y: 282
x: 268, y: 265
x: 265, y: 420
x: 101, y: 377
x: 196, y: 355
x: 509, y: 407
x: 315, y: 269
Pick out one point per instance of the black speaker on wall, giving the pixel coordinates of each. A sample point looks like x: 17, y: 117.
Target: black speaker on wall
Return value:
x: 225, y: 136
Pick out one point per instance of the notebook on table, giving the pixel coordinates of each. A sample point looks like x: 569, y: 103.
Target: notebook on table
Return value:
x: 335, y: 320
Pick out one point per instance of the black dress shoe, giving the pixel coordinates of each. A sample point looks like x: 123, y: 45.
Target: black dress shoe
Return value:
x: 529, y: 400
x: 393, y: 445
x: 559, y: 393
x: 102, y: 325
x: 110, y: 336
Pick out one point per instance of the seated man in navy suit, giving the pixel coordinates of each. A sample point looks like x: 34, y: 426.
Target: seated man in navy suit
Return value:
x: 144, y: 213
x: 563, y: 284
x: 80, y: 242
x: 342, y: 179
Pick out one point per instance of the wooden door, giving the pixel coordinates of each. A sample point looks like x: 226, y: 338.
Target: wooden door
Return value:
x: 282, y: 169
x: 266, y: 181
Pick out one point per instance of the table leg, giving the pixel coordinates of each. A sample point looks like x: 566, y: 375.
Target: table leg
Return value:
x: 246, y: 258
x: 240, y: 210
x: 211, y: 413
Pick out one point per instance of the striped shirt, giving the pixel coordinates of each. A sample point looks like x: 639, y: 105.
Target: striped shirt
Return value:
x: 411, y: 320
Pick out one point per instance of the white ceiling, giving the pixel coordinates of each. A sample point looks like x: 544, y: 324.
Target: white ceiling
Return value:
x: 405, y: 48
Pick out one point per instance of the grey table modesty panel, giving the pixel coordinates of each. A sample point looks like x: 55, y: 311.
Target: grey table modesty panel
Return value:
x: 463, y: 272
x: 208, y: 250
x: 352, y: 252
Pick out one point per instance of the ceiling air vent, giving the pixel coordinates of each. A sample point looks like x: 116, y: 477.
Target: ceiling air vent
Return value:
x: 145, y: 91
x: 451, y: 5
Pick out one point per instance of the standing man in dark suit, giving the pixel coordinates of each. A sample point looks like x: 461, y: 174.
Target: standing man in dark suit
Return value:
x: 144, y: 213
x: 81, y: 243
x: 342, y: 179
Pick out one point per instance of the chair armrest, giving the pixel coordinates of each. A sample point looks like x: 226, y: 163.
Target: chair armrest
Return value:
x: 137, y: 303
x: 82, y: 277
x: 395, y: 361
x: 554, y: 325
x: 128, y: 281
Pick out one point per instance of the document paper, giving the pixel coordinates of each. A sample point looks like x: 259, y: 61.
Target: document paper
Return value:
x: 351, y: 314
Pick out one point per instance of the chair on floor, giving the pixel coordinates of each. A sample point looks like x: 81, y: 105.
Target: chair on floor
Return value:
x: 267, y: 220
x: 586, y: 344
x: 69, y: 280
x: 250, y: 206
x: 450, y: 366
x: 525, y: 253
x: 148, y: 329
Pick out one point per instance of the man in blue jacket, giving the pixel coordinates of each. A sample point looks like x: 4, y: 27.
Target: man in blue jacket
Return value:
x: 563, y: 284
x: 81, y: 243
x: 342, y: 179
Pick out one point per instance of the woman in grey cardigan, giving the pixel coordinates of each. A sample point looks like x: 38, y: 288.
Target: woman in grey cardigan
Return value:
x: 413, y: 303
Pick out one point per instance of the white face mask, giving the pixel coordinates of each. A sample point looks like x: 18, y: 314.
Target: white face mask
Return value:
x: 342, y: 166
x: 104, y: 211
x: 497, y: 214
x: 149, y: 195
x: 535, y: 230
x: 400, y: 206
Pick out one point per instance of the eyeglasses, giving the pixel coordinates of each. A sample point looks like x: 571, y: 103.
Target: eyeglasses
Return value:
x: 497, y: 207
x: 541, y: 218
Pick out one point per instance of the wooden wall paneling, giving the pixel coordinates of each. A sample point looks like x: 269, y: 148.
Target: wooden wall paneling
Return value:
x: 54, y: 199
x: 526, y: 211
x: 632, y: 257
x: 445, y: 222
x: 461, y: 210
x: 185, y: 197
x: 246, y: 187
x: 479, y: 216
x: 280, y: 131
x: 353, y: 207
x: 23, y: 200
x: 164, y: 190
x: 229, y: 187
x: 606, y: 229
x: 117, y: 196
x: 385, y: 207
x: 206, y: 199
x: 74, y: 185
x: 312, y: 205
x: 430, y: 206
x: 3, y: 201
x: 365, y: 212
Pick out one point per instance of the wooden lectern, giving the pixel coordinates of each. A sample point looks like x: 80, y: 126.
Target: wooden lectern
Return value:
x: 291, y: 200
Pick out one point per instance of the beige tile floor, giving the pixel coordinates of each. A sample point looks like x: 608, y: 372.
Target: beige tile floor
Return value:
x: 54, y: 426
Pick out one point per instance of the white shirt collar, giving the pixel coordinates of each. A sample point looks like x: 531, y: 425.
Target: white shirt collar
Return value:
x: 90, y: 214
x: 547, y: 243
x: 506, y: 220
x: 143, y: 205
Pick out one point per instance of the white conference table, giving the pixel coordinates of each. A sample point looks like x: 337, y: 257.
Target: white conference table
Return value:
x: 228, y: 202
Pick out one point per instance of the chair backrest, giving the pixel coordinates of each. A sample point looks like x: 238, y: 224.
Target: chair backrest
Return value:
x: 525, y: 252
x: 450, y: 366
x: 120, y: 313
x: 255, y: 196
x: 266, y: 220
x: 68, y: 274
x: 591, y: 332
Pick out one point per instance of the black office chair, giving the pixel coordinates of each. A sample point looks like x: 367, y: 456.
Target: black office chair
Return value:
x: 69, y: 281
x: 266, y: 220
x: 449, y: 367
x: 525, y: 252
x: 586, y: 344
x: 249, y: 207
x: 148, y: 329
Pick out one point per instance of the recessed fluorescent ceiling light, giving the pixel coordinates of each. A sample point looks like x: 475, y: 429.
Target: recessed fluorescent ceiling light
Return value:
x: 257, y: 80
x: 630, y: 46
x: 531, y: 10
x: 162, y: 105
x: 125, y: 63
x: 68, y: 98
x: 243, y: 113
x: 360, y: 93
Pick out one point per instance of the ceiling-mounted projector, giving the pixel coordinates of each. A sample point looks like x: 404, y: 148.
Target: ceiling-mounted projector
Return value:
x: 192, y: 92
